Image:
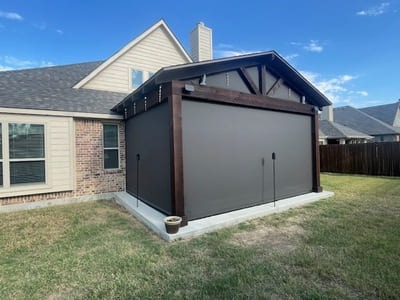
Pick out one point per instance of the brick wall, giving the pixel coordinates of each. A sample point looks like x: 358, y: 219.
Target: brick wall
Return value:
x: 90, y: 176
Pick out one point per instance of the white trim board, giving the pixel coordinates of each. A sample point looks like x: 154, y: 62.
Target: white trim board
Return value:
x: 56, y: 113
x: 127, y: 47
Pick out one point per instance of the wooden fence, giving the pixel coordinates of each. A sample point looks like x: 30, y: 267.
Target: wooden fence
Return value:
x: 371, y: 158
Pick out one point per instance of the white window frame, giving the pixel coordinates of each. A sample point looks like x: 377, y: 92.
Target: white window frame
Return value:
x: 130, y: 77
x: 7, y: 186
x: 145, y: 76
x: 112, y: 148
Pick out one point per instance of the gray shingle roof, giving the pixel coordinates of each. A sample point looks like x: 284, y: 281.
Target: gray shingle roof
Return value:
x: 358, y: 120
x: 329, y: 129
x: 386, y: 113
x: 51, y: 89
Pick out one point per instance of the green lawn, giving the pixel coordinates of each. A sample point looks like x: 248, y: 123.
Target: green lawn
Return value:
x: 347, y: 246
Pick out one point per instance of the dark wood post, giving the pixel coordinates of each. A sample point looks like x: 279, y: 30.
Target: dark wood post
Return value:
x: 175, y: 104
x: 315, y: 149
x: 263, y: 80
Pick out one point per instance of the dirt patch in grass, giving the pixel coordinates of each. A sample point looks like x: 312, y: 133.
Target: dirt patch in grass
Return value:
x: 281, y: 239
x: 63, y: 294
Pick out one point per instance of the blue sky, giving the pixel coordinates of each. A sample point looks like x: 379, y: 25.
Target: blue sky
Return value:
x: 349, y: 49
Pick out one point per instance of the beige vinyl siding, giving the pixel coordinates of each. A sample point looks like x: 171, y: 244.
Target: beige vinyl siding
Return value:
x: 155, y: 51
x: 201, y: 43
x: 59, y: 155
x: 396, y: 122
x: 194, y: 42
x: 205, y: 51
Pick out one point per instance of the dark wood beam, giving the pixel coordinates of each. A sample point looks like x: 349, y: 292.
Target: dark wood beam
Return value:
x: 315, y: 153
x: 248, y: 81
x: 278, y: 81
x: 225, y: 96
x: 137, y: 105
x: 263, y: 80
x: 178, y: 207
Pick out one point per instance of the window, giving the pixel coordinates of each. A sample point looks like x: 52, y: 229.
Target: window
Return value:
x: 150, y: 74
x: 26, y: 153
x: 137, y: 78
x: 111, y: 149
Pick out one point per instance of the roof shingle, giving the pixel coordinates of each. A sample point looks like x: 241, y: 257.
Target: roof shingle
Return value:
x: 386, y: 113
x: 360, y: 121
x: 329, y: 129
x: 50, y: 88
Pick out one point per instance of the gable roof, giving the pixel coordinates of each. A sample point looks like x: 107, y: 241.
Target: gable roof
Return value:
x: 127, y: 47
x: 271, y: 59
x: 359, y: 120
x: 329, y: 129
x: 386, y: 113
x: 50, y: 88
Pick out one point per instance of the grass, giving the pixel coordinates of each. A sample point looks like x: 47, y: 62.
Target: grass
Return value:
x: 345, y: 247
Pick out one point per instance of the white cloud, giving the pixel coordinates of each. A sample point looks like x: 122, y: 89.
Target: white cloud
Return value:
x: 11, y: 16
x: 335, y: 88
x: 13, y: 63
x: 362, y: 93
x: 5, y: 68
x: 59, y: 31
x: 375, y: 10
x: 11, y: 60
x: 222, y: 46
x: 290, y: 57
x: 313, y: 46
x: 229, y: 53
x: 228, y: 50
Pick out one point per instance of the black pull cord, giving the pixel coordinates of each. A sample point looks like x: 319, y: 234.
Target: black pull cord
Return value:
x: 137, y: 179
x: 273, y: 175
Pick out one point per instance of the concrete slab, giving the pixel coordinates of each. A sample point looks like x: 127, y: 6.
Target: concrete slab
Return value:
x: 155, y: 220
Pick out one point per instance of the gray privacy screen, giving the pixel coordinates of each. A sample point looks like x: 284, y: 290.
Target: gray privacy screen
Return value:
x: 223, y: 151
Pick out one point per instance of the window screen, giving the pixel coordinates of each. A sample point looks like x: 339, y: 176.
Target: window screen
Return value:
x: 27, y: 153
x: 111, y: 149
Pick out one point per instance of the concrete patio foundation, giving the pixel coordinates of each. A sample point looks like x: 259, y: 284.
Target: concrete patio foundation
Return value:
x: 155, y: 220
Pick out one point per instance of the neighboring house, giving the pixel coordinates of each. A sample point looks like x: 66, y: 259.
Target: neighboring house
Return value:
x: 333, y: 133
x: 388, y: 113
x: 363, y: 122
x: 200, y: 138
x: 79, y: 131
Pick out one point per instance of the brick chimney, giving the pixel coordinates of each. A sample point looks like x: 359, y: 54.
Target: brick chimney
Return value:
x: 201, y: 43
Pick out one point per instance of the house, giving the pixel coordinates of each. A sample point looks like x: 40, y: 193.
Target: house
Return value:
x: 331, y: 132
x: 388, y: 113
x: 359, y: 120
x: 190, y: 138
x: 334, y: 133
